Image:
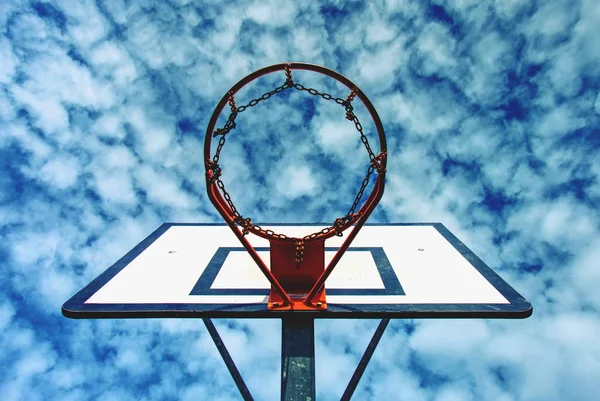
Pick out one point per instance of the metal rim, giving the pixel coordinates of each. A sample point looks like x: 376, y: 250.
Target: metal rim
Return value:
x: 377, y: 191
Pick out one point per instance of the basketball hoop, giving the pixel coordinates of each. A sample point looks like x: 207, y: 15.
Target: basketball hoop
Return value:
x: 153, y: 280
x: 298, y: 272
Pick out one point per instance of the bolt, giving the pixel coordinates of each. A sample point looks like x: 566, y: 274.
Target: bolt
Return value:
x: 172, y: 251
x: 319, y: 304
x: 275, y: 303
x: 421, y: 249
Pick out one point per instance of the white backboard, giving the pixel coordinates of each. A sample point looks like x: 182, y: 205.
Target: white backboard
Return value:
x: 392, y: 270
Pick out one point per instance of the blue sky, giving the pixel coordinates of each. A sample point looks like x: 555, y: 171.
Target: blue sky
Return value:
x: 492, y: 113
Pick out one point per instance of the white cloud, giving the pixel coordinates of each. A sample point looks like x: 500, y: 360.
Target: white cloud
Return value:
x: 47, y: 100
x: 388, y: 387
x: 9, y: 61
x: 437, y: 46
x: 310, y: 43
x: 7, y: 109
x: 86, y: 24
x: 405, y: 7
x: 339, y: 343
x: 562, y: 223
x: 7, y: 312
x: 227, y: 30
x: 159, y: 46
x: 454, y: 392
x: 335, y: 137
x: 565, y: 74
x: 116, y: 187
x: 527, y: 350
x: 379, y: 33
x: 112, y: 107
x: 580, y: 221
x: 133, y: 355
x: 110, y: 125
x: 121, y: 11
x: 272, y: 12
x: 145, y: 35
x: 36, y: 361
x: 31, y: 33
x: 31, y: 247
x: 261, y: 373
x: 551, y: 22
x: 508, y: 9
x: 154, y: 136
x: 491, y: 57
x: 111, y: 59
x: 377, y: 68
x: 585, y: 30
x: 67, y: 378
x: 57, y: 287
x: 114, y: 158
x: 296, y: 181
x: 460, y: 338
x: 162, y: 188
x: 67, y: 74
x: 61, y: 171
x: 270, y: 50
x: 50, y: 113
x: 420, y: 113
x: 28, y: 140
x: 483, y: 138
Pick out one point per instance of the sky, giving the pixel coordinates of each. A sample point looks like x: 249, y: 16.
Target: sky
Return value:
x: 492, y: 116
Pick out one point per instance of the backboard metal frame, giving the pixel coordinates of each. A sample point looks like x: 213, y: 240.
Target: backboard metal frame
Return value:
x: 516, y: 308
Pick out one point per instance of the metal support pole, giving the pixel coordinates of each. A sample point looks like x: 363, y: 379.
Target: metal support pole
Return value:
x: 364, y: 361
x: 235, y: 373
x: 298, y: 359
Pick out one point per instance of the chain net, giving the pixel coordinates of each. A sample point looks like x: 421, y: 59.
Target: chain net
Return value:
x: 376, y: 163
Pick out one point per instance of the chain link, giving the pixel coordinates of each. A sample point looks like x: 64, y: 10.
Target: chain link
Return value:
x: 315, y: 92
x: 299, y: 252
x: 376, y: 163
x: 288, y: 75
x: 264, y: 96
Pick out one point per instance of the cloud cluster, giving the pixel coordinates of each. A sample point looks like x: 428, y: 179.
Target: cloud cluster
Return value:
x: 492, y: 115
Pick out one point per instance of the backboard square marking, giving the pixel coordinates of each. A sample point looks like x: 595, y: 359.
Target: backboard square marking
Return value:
x: 232, y: 272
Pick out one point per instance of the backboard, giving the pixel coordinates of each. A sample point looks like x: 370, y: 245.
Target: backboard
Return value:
x: 418, y: 270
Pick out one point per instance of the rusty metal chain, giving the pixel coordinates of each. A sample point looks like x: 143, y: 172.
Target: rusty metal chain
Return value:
x: 229, y: 125
x: 315, y: 92
x: 264, y: 96
x: 376, y: 163
x: 299, y: 252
